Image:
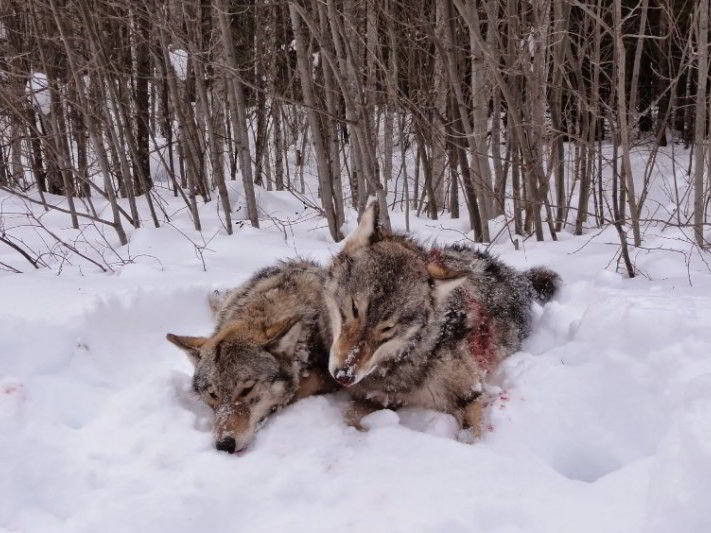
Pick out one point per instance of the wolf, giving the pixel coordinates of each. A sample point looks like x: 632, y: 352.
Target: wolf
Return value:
x: 268, y: 349
x: 416, y: 326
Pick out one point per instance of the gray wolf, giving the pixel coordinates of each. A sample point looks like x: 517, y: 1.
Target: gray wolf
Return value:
x: 422, y: 327
x: 269, y: 348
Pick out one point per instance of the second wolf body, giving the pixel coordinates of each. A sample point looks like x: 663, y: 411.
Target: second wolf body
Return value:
x: 419, y: 327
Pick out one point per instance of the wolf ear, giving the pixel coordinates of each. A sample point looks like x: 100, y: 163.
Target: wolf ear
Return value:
x: 191, y: 345
x: 367, y: 232
x: 445, y: 279
x: 284, y: 336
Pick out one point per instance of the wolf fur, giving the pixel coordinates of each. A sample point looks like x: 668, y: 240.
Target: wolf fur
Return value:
x: 269, y: 348
x: 422, y: 327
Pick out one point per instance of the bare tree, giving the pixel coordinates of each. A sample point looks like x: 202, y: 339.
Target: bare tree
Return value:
x: 700, y: 139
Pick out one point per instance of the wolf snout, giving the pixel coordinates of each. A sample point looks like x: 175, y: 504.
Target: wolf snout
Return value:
x: 228, y: 444
x: 344, y: 376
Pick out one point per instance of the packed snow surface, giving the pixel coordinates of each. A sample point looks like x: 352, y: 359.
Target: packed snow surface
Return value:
x: 601, y: 424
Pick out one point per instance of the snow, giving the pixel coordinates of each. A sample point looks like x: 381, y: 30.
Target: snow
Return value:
x: 179, y: 60
x: 600, y: 424
x: 380, y: 419
x: 38, y: 91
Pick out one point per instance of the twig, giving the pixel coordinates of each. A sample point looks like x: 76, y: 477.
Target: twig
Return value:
x: 10, y: 268
x: 66, y: 244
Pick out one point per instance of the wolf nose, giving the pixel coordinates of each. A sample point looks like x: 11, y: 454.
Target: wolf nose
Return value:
x: 344, y: 377
x: 228, y: 444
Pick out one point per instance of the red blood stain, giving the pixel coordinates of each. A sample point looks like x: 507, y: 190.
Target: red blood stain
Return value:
x: 12, y: 388
x: 481, y: 338
x: 435, y: 256
x: 503, y: 398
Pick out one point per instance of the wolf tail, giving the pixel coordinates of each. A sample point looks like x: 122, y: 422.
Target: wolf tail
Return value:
x: 545, y: 283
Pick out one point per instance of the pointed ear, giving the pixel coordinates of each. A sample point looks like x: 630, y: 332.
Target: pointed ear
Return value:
x: 287, y: 334
x: 191, y: 345
x: 445, y: 279
x: 442, y: 289
x: 367, y: 232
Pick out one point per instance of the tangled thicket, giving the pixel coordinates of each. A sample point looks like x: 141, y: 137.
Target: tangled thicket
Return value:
x: 508, y: 103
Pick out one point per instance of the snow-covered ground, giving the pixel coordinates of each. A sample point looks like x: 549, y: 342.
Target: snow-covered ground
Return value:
x: 601, y: 424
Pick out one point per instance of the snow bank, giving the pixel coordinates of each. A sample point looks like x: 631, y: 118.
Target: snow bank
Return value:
x: 600, y: 424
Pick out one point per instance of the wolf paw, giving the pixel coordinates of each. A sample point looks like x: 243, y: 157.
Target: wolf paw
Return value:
x: 467, y: 436
x: 357, y: 411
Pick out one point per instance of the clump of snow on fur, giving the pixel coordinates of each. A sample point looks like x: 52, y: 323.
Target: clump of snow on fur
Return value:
x: 352, y: 355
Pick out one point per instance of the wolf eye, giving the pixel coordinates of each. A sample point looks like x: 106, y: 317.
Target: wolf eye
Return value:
x: 247, y: 389
x: 386, y: 333
x: 211, y: 393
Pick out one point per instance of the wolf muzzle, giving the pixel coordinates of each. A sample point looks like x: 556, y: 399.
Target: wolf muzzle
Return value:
x: 232, y: 427
x: 344, y: 376
x: 228, y: 444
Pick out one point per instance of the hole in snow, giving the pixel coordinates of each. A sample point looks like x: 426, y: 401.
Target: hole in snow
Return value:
x: 586, y: 465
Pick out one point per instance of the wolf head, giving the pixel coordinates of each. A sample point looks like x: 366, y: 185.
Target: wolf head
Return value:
x: 381, y: 293
x: 244, y: 375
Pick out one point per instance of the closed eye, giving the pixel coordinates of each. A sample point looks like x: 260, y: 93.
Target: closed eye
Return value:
x: 211, y: 397
x: 245, y: 391
x: 386, y: 333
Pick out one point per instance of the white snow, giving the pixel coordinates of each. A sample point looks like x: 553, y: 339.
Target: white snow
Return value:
x: 380, y: 419
x: 602, y: 423
x: 179, y: 60
x: 38, y: 91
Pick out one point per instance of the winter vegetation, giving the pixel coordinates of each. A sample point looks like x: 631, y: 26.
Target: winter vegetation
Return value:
x: 528, y: 110
x: 151, y: 152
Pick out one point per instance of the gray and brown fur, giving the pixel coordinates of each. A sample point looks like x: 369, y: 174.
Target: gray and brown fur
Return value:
x: 269, y: 348
x: 422, y: 327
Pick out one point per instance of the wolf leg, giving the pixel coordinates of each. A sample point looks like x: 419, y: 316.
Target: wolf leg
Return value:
x: 316, y: 381
x: 357, y: 410
x: 470, y: 417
